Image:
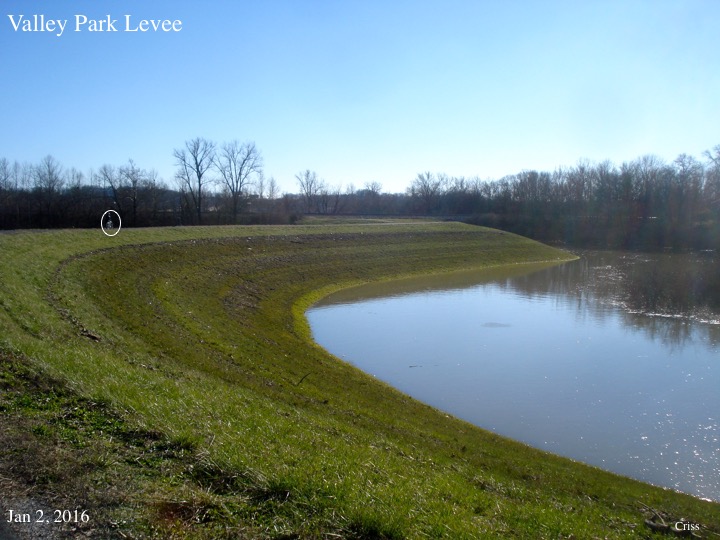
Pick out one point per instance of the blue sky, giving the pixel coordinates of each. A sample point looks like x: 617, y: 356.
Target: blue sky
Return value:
x: 362, y: 91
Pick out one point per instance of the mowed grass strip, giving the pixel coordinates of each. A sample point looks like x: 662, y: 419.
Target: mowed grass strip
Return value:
x: 204, y: 340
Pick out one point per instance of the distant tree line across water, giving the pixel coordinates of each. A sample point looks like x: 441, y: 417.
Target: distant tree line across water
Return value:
x: 642, y: 204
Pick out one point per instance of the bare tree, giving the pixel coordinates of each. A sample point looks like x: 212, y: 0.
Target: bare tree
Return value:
x: 337, y: 200
x: 686, y: 187
x: 49, y: 180
x: 133, y: 179
x: 5, y: 174
x: 110, y: 177
x: 260, y: 186
x: 49, y: 175
x: 712, y: 180
x: 328, y: 200
x: 428, y: 188
x: 23, y: 175
x: 74, y: 178
x: 713, y: 156
x: 273, y: 190
x: 373, y: 187
x: 310, y: 187
x: 5, y: 189
x: 237, y: 164
x: 153, y: 190
x: 193, y: 162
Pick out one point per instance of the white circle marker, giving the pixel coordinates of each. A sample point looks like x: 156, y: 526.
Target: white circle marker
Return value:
x: 110, y: 223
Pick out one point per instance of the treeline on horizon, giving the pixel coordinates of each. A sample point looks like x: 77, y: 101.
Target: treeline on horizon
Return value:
x: 642, y: 204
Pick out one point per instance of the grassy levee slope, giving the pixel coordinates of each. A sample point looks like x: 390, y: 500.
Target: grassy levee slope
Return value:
x: 208, y: 412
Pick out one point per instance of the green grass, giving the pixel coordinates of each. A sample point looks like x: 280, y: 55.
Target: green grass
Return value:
x: 187, y: 352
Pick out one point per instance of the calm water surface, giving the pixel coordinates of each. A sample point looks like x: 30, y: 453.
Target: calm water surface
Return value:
x: 611, y: 360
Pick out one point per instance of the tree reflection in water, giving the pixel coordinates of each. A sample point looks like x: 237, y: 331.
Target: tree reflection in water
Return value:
x: 659, y: 294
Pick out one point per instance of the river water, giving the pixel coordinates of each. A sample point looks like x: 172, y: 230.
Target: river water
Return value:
x: 611, y: 360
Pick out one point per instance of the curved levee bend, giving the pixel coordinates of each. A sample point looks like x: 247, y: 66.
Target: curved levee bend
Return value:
x: 195, y: 340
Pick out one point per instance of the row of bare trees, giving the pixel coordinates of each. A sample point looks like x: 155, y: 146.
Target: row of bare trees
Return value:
x: 46, y: 194
x: 212, y: 183
x: 641, y: 204
x: 234, y: 167
x: 645, y: 203
x: 136, y: 193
